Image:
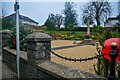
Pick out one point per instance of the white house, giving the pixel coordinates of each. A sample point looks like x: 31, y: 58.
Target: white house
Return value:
x: 112, y: 21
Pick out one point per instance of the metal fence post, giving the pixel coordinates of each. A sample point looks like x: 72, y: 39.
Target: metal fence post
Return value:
x: 113, y: 55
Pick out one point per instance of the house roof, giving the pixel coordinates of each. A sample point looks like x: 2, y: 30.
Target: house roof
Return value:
x: 21, y: 17
x: 114, y: 18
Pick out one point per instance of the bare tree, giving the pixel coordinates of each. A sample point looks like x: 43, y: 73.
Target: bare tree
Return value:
x: 97, y: 10
x: 58, y: 20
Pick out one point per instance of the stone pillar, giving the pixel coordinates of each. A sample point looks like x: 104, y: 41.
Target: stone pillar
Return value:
x: 36, y: 51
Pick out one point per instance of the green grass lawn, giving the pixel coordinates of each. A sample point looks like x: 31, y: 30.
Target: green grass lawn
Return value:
x: 74, y: 35
x: 66, y: 32
x: 68, y: 35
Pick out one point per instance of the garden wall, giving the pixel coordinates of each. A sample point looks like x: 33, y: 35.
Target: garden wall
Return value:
x: 35, y: 63
x: 46, y: 69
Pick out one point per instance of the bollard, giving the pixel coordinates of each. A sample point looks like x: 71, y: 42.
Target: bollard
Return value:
x: 113, y: 55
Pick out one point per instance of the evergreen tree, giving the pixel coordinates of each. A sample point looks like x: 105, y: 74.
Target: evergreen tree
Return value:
x: 50, y: 22
x: 70, y: 14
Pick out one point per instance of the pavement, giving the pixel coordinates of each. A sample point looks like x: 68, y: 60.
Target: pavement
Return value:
x: 5, y: 71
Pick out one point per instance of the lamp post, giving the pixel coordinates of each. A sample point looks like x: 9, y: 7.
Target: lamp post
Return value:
x: 16, y: 9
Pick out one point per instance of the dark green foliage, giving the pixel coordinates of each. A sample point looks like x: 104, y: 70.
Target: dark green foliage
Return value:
x: 118, y: 34
x: 81, y: 29
x: 50, y: 22
x: 98, y: 29
x: 98, y: 33
x: 11, y: 39
x: 54, y: 22
x: 7, y: 23
x: 70, y: 19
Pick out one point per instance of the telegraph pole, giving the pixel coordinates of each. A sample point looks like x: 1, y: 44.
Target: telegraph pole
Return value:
x: 16, y: 8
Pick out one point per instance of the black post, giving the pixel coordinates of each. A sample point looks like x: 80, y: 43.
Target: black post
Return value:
x: 113, y: 55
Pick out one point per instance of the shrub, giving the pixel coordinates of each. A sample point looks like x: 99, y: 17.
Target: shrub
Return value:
x: 7, y: 23
x: 11, y: 39
x: 97, y: 29
x: 103, y: 66
x: 56, y: 35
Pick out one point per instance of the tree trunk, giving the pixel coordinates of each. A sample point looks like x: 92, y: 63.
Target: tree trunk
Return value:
x: 59, y: 27
x: 98, y: 21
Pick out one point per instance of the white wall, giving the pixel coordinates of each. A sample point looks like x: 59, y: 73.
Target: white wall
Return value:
x: 29, y: 23
x: 111, y: 23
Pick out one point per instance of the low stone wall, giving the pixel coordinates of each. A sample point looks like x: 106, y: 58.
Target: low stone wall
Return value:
x: 46, y: 69
x: 9, y: 58
x: 36, y: 62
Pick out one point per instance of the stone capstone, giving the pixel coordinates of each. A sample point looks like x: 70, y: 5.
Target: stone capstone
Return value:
x: 37, y: 36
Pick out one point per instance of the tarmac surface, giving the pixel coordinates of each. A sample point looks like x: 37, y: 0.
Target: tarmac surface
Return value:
x: 5, y: 71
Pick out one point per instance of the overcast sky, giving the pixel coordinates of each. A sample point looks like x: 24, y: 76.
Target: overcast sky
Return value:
x: 39, y: 11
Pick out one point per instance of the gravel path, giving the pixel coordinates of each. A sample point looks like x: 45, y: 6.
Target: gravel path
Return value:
x: 75, y: 52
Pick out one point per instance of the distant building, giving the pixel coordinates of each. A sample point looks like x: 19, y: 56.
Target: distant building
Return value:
x: 23, y: 20
x: 112, y: 21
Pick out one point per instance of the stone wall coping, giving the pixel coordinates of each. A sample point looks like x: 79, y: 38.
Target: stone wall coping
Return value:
x: 23, y: 54
x: 5, y: 31
x: 37, y: 36
x: 58, y: 70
